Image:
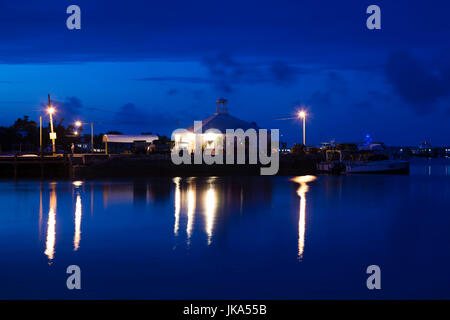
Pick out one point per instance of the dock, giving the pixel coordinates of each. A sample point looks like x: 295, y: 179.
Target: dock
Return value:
x: 94, y: 166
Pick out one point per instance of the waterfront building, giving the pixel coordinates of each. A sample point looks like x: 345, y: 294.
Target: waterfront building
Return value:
x: 118, y: 143
x: 219, y: 122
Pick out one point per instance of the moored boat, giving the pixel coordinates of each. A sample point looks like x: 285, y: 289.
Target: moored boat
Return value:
x: 368, y: 157
x: 382, y: 166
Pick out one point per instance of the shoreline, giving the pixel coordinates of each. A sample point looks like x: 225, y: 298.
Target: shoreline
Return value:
x: 89, y: 167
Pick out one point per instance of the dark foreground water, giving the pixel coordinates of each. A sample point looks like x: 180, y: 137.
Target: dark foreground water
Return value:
x: 236, y: 237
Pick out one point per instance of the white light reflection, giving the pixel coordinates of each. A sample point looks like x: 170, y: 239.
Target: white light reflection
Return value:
x: 177, y: 204
x: 191, y: 199
x: 301, y: 191
x: 77, y: 183
x: 210, y: 204
x: 51, y: 224
x: 77, y: 235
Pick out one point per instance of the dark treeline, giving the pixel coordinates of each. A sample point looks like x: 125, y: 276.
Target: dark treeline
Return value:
x: 23, y: 136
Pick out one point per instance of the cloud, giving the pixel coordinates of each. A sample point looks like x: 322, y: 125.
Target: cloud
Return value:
x: 37, y: 32
x: 176, y: 79
x: 129, y: 114
x: 132, y: 119
x: 364, y: 104
x: 225, y: 72
x: 418, y: 84
x: 172, y: 92
x: 283, y: 73
x: 320, y: 98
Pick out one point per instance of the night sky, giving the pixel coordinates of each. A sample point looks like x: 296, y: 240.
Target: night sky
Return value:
x: 149, y: 66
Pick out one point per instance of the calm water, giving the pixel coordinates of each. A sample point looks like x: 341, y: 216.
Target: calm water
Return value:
x: 236, y: 237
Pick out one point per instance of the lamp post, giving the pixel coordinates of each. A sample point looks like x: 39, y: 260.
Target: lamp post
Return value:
x: 79, y: 123
x: 50, y: 111
x: 40, y: 135
x: 302, y: 114
x: 92, y: 137
x: 77, y: 126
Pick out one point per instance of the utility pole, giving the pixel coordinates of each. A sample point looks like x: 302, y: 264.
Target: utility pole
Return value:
x: 302, y: 114
x: 40, y: 135
x: 304, y: 131
x: 52, y: 133
x: 92, y: 137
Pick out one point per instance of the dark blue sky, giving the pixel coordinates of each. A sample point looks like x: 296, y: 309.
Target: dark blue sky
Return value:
x: 146, y: 66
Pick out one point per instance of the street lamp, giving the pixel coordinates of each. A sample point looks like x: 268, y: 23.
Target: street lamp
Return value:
x: 78, y: 124
x: 51, y: 110
x: 302, y: 114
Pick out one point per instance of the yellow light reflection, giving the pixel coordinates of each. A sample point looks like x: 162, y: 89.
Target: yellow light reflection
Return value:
x: 301, y: 191
x: 77, y: 235
x: 191, y: 199
x: 77, y: 183
x: 210, y: 203
x: 177, y: 205
x: 51, y: 224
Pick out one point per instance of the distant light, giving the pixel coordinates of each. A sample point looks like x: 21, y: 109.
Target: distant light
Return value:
x: 77, y: 183
x: 51, y: 110
x: 75, y: 133
x: 301, y: 114
x: 77, y: 123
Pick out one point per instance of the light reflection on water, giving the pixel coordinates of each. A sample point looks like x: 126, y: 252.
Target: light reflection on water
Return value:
x: 187, y: 196
x: 302, y: 190
x: 191, y: 202
x: 210, y: 211
x: 228, y: 233
x: 77, y: 235
x: 430, y: 167
x: 51, y: 233
x: 177, y: 205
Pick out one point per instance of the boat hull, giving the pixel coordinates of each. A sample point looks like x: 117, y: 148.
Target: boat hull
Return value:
x: 387, y: 166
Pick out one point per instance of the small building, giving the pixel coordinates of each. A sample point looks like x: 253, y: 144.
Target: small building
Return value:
x: 118, y: 143
x: 220, y: 121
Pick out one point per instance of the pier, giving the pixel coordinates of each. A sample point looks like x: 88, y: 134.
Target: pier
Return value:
x: 92, y: 166
x: 43, y: 166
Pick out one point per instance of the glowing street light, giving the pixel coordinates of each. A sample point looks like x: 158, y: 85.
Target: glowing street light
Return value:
x: 78, y: 124
x: 51, y: 110
x: 302, y: 114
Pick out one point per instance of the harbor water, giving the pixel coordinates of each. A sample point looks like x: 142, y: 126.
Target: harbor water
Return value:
x: 299, y: 237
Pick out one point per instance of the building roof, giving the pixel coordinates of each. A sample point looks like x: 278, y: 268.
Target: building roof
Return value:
x: 121, y: 138
x: 223, y: 121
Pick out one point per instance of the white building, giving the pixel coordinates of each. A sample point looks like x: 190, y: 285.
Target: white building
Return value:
x: 219, y: 122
